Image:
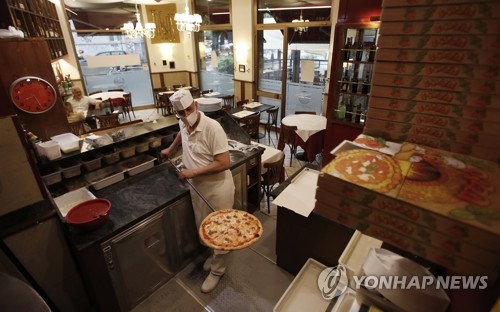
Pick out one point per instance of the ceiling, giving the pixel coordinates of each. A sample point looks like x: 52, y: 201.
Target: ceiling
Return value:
x: 112, y: 14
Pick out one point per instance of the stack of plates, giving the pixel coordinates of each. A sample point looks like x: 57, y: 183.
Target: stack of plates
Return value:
x: 209, y: 104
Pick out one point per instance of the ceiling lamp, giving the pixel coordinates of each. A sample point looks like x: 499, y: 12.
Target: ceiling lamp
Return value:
x: 139, y: 31
x: 300, y: 29
x: 186, y: 21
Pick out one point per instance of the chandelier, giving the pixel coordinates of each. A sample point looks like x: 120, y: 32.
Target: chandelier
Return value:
x: 300, y: 29
x: 186, y: 21
x: 138, y: 30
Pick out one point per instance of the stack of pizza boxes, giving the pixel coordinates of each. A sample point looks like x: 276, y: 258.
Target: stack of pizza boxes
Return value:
x: 436, y: 77
x: 424, y: 176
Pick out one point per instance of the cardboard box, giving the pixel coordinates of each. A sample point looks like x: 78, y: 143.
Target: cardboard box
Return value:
x: 412, y: 3
x: 468, y: 71
x: 483, y: 42
x: 433, y: 188
x: 453, y: 245
x: 449, y: 27
x: 432, y: 254
x: 462, y: 56
x: 442, y: 12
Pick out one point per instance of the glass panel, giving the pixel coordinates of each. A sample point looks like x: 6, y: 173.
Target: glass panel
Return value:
x: 307, y: 65
x: 213, y: 11
x: 132, y: 78
x: 285, y: 12
x: 270, y: 54
x: 216, y: 61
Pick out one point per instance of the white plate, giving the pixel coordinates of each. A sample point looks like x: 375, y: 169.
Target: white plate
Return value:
x: 208, y: 101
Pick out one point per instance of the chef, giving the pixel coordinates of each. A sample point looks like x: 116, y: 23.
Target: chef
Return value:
x: 205, y: 154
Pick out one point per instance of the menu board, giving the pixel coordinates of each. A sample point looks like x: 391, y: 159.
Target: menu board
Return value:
x: 436, y: 77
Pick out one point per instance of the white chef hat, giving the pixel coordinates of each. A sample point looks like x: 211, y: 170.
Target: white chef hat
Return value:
x: 181, y: 99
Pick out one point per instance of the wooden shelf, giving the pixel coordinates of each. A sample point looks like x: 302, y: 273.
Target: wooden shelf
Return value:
x: 36, y: 19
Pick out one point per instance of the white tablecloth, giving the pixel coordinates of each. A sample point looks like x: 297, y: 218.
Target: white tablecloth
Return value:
x: 108, y: 95
x: 170, y: 92
x: 307, y: 124
x: 270, y: 155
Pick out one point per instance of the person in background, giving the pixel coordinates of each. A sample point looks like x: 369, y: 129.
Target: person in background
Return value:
x: 81, y: 103
x: 205, y: 155
x: 73, y: 117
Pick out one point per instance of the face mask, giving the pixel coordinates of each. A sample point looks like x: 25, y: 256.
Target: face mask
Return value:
x: 191, y: 119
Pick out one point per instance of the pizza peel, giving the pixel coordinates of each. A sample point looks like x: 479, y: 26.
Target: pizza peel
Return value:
x: 178, y: 165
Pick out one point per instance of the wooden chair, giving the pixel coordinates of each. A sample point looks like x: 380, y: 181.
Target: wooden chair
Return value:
x: 251, y: 126
x: 165, y: 104
x: 272, y: 120
x: 95, y: 92
x: 241, y: 103
x: 156, y: 95
x: 289, y: 137
x: 127, y: 105
x: 228, y: 102
x: 106, y: 121
x: 77, y: 127
x: 274, y: 174
x: 304, y: 112
x: 111, y: 90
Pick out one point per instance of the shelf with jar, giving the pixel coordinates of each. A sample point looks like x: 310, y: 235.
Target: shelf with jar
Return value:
x: 354, y: 72
x: 36, y: 19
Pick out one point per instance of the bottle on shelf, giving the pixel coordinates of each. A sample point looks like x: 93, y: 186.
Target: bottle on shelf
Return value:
x: 357, y: 118
x: 341, y: 110
x: 371, y: 54
x: 348, y: 113
x: 359, y: 50
x: 345, y: 82
x: 366, y: 84
x: 354, y: 83
x: 347, y: 47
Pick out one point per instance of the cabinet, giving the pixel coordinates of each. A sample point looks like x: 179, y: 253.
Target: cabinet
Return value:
x: 354, y: 73
x: 37, y: 19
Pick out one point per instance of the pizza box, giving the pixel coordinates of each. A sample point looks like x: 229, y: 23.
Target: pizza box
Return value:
x: 438, y: 70
x: 437, y: 96
x: 437, y: 109
x: 486, y: 86
x: 439, y: 56
x: 442, y: 12
x: 423, y: 235
x: 444, y: 201
x: 412, y: 3
x: 487, y: 42
x: 303, y: 293
x: 435, y: 255
x: 355, y: 253
x: 446, y: 27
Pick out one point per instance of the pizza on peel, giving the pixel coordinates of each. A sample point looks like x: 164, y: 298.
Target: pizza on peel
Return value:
x: 230, y: 229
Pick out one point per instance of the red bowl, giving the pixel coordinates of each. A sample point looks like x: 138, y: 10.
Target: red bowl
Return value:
x: 89, y: 214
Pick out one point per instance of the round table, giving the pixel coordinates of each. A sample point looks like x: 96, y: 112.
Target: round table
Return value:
x: 310, y: 134
x: 307, y: 124
x: 108, y: 95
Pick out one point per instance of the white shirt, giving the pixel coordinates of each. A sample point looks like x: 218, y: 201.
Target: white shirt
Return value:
x: 81, y: 105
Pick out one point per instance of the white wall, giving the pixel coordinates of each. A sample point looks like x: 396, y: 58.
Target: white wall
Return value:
x: 242, y: 38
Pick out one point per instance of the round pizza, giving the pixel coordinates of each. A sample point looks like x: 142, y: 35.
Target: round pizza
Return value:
x: 230, y: 229
x: 371, y: 169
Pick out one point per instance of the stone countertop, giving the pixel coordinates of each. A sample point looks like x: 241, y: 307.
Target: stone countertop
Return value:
x: 132, y: 200
x: 136, y: 198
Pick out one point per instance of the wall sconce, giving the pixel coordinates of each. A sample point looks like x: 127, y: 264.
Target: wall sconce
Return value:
x: 241, y: 53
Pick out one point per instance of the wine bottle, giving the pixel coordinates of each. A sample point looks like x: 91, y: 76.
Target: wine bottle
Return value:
x: 345, y: 82
x: 341, y: 111
x: 357, y: 118
x: 359, y: 51
x: 348, y: 113
x: 354, y: 83
x: 347, y: 48
x: 373, y: 48
x: 366, y: 85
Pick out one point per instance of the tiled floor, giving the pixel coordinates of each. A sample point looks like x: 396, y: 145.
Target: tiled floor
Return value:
x: 253, y: 281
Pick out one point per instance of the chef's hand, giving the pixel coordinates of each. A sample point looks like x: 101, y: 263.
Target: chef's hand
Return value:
x: 165, y: 153
x: 186, y: 173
